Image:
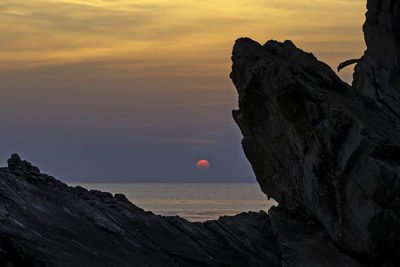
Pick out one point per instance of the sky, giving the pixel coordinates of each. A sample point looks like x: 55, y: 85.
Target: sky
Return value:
x: 139, y: 91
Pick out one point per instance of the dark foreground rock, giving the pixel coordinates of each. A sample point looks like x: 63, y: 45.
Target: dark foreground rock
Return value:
x: 329, y: 157
x: 44, y: 222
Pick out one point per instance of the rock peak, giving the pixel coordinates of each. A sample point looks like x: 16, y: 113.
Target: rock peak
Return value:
x: 15, y: 159
x: 15, y: 163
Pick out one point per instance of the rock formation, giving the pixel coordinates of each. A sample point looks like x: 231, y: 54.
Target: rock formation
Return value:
x: 44, y: 222
x: 329, y: 158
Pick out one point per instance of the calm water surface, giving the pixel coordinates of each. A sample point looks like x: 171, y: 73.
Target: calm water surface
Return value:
x: 193, y: 201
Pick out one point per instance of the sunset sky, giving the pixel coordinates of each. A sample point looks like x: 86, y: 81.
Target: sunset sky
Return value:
x: 127, y: 90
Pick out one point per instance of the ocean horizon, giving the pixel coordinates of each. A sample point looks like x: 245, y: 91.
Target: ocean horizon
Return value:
x: 194, y: 201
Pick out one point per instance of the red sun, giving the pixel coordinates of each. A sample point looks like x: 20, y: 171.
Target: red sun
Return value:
x: 203, y: 165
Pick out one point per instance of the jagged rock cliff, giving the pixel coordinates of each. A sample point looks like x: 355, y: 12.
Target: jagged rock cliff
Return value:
x: 44, y: 222
x: 377, y: 75
x: 330, y: 159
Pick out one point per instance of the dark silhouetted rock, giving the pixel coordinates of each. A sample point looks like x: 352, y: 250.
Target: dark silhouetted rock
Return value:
x: 44, y: 222
x: 331, y: 160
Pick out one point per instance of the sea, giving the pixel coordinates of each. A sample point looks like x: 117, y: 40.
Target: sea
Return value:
x: 195, y: 202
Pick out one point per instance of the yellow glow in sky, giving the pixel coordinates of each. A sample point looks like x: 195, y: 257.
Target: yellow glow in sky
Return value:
x: 180, y: 35
x: 135, y: 88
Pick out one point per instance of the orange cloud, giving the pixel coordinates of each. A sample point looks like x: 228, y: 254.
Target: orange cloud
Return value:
x: 186, y: 33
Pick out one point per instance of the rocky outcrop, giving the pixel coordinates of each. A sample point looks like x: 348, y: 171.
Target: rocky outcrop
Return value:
x: 377, y: 76
x: 44, y: 222
x: 329, y: 158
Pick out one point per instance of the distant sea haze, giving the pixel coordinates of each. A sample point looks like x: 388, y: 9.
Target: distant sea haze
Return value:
x: 193, y: 201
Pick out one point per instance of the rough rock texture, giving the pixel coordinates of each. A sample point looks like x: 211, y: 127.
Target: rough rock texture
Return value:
x: 43, y: 222
x: 327, y: 157
x: 378, y: 74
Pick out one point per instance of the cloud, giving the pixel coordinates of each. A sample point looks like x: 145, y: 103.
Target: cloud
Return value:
x: 99, y: 78
x: 181, y: 35
x: 190, y: 141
